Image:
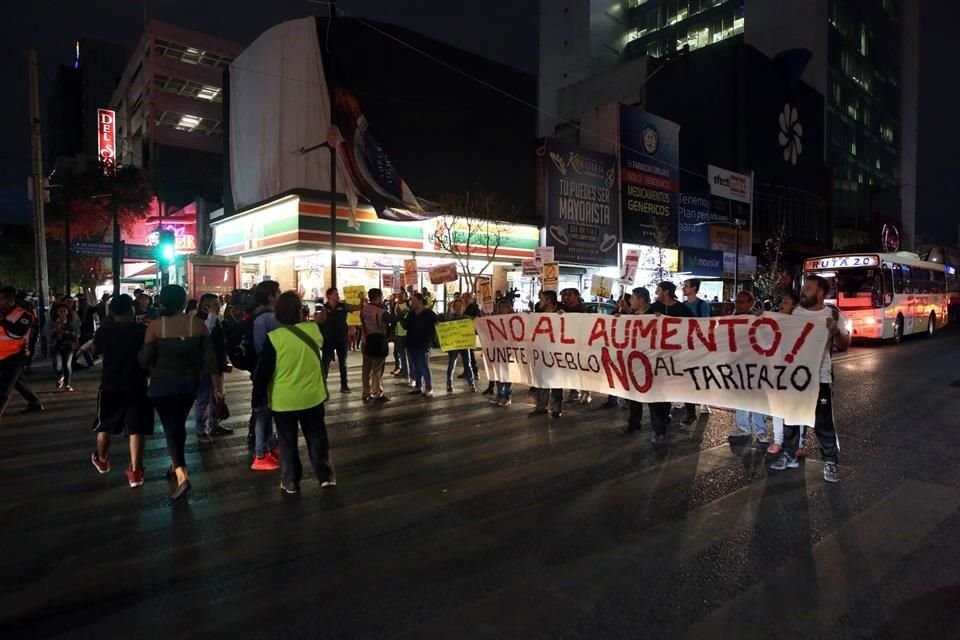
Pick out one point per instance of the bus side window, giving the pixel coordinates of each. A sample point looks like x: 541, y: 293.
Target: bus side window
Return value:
x: 897, y: 278
x: 939, y: 282
x: 887, y: 286
x: 907, y: 284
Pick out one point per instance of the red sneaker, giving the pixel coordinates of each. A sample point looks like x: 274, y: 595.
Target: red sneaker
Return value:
x: 266, y: 463
x: 801, y: 453
x: 774, y: 449
x: 102, y: 466
x: 274, y: 455
x: 135, y: 478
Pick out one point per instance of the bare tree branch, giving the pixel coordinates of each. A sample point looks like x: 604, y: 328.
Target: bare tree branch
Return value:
x: 472, y: 229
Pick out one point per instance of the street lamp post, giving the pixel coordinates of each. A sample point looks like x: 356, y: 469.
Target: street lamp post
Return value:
x: 333, y: 204
x: 117, y: 254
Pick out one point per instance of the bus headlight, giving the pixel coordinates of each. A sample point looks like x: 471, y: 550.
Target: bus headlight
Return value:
x: 870, y: 321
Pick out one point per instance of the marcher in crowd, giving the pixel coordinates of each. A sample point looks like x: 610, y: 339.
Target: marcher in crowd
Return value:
x: 421, y: 326
x: 15, y: 331
x: 123, y: 407
x: 668, y: 305
x: 290, y: 382
x: 205, y: 416
x: 401, y: 307
x: 265, y: 457
x: 177, y: 351
x: 87, y: 315
x: 572, y: 302
x: 638, y: 304
x: 789, y: 302
x: 504, y: 393
x: 551, y: 399
x: 471, y: 310
x: 699, y: 308
x: 745, y: 304
x: 333, y: 326
x: 812, y: 296
x: 374, y: 320
x: 456, y: 313
x: 146, y: 312
x: 64, y: 330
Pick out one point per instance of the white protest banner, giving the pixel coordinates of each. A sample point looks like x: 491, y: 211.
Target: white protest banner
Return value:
x: 768, y: 364
x: 628, y: 272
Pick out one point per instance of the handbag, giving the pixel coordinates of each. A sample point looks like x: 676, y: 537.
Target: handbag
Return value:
x: 220, y: 410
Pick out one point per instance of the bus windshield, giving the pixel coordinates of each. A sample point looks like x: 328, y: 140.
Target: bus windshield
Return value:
x: 856, y: 288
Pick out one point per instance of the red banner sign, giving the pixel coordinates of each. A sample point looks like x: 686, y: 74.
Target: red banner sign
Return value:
x: 106, y: 137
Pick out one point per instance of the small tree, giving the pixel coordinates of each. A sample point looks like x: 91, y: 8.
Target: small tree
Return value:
x: 768, y: 278
x: 472, y: 228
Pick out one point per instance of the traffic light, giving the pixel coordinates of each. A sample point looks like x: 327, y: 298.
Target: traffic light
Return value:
x: 166, y: 248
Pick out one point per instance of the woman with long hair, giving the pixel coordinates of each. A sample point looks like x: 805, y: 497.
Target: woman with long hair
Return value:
x: 177, y: 352
x: 64, y: 332
x: 289, y: 380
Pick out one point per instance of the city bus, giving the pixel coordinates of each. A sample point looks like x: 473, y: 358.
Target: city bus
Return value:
x: 885, y: 296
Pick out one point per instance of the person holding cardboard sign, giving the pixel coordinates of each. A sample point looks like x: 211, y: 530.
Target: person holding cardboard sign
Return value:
x: 457, y: 314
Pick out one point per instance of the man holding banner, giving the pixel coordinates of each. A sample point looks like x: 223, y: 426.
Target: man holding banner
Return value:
x: 333, y: 323
x: 812, y: 307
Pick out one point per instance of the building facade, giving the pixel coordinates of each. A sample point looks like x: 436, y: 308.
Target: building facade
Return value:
x: 862, y: 57
x: 169, y: 105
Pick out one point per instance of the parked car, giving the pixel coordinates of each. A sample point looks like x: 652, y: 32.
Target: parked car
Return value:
x: 605, y: 308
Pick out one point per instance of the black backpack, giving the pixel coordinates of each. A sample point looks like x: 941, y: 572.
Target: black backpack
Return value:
x: 240, y: 349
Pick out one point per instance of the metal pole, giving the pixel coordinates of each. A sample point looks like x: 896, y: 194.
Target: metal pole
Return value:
x: 117, y: 248
x: 333, y: 215
x: 66, y: 245
x: 736, y: 260
x: 39, y: 224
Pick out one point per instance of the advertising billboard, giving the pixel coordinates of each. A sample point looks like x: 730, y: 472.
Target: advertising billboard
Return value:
x: 107, y: 137
x: 578, y: 201
x: 649, y: 176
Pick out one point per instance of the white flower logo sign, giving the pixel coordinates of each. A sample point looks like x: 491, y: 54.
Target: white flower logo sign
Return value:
x: 791, y: 134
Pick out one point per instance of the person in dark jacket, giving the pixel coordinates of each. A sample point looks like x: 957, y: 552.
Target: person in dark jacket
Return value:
x: 333, y: 325
x: 204, y: 408
x: 421, y: 325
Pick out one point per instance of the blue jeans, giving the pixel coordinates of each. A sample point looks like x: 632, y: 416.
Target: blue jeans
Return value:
x: 63, y: 363
x: 262, y: 422
x: 504, y: 390
x: 452, y: 364
x: 746, y: 419
x: 400, y: 355
x: 203, y: 418
x: 420, y: 367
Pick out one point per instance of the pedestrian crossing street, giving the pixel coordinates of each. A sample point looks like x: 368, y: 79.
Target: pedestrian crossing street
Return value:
x: 452, y: 518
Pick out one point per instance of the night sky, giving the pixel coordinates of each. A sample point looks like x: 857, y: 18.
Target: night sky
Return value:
x: 504, y: 31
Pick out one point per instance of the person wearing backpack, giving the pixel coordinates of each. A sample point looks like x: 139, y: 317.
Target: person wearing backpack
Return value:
x: 699, y: 308
x: 254, y: 332
x: 289, y: 382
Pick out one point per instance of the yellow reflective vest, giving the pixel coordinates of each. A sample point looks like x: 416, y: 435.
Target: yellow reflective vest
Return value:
x: 297, y: 381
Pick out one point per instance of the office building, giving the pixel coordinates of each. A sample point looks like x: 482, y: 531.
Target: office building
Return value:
x: 169, y: 106
x: 862, y: 58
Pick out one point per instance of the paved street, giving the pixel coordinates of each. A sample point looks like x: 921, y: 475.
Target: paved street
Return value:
x: 455, y: 519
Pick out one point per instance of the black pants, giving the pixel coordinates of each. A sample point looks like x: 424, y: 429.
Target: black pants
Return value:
x: 311, y: 422
x: 690, y: 411
x: 10, y: 379
x: 341, y: 350
x: 636, y: 416
x: 173, y: 411
x: 823, y: 427
x: 659, y: 416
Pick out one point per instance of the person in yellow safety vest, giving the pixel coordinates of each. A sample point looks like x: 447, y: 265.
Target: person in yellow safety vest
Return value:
x: 15, y: 322
x: 289, y: 380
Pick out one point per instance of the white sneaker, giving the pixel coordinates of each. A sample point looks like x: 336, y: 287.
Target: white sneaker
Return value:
x: 505, y: 402
x: 428, y: 394
x: 494, y: 400
x: 586, y: 398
